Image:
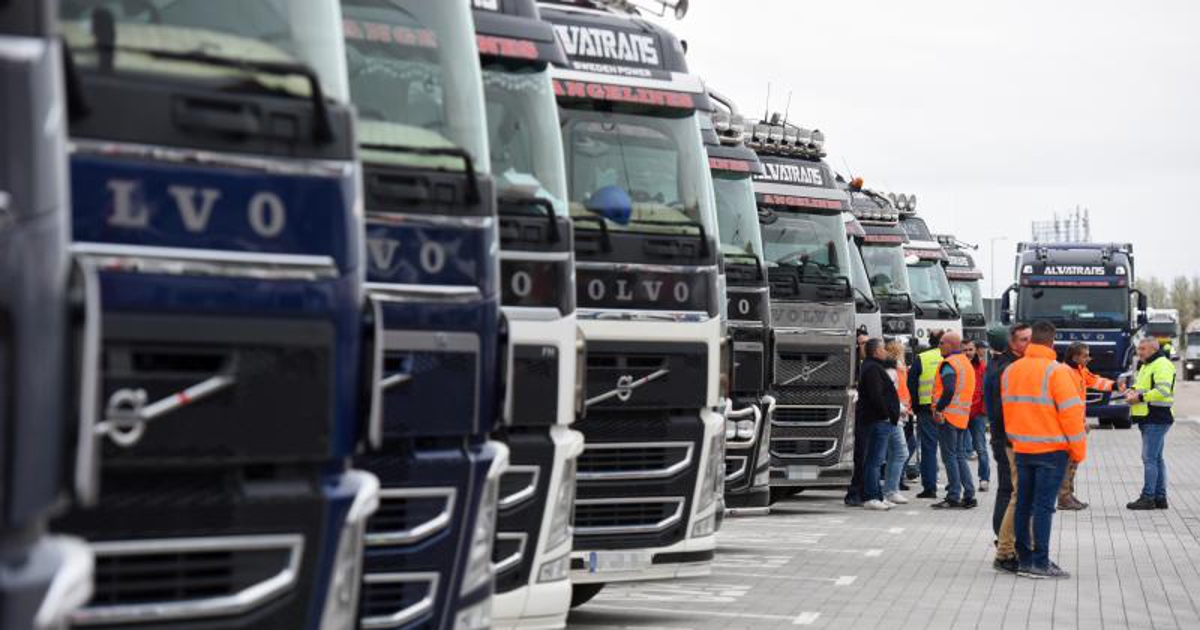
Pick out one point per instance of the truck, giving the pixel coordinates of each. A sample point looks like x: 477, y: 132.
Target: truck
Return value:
x: 433, y: 278
x: 1163, y: 324
x: 868, y: 317
x: 813, y: 341
x: 650, y: 478
x: 966, y: 280
x: 1086, y: 290
x: 1191, y: 351
x: 747, y: 311
x: 43, y: 578
x: 537, y: 280
x: 933, y: 299
x: 884, y: 257
x: 215, y: 192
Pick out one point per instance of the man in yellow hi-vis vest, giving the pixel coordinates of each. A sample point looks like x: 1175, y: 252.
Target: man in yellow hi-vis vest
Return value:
x: 1152, y: 396
x: 921, y: 377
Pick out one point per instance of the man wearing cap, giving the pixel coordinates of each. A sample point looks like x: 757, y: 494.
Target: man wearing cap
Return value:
x: 1044, y: 421
x: 1009, y: 345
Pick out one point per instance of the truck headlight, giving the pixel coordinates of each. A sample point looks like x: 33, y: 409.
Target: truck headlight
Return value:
x: 1191, y: 365
x: 564, y: 506
x: 478, y: 572
x: 711, y: 480
x: 555, y: 570
x: 477, y: 617
x: 341, y: 601
x: 706, y: 526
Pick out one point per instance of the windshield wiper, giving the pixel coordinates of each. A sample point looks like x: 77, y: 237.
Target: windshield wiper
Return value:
x: 870, y: 303
x: 704, y: 251
x: 940, y: 304
x: 473, y: 195
x: 511, y: 201
x: 104, y: 32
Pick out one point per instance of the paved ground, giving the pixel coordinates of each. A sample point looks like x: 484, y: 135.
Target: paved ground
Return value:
x: 817, y: 564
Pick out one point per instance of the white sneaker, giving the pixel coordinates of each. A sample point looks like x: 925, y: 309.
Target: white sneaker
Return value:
x: 876, y: 504
x: 983, y: 486
x: 897, y: 498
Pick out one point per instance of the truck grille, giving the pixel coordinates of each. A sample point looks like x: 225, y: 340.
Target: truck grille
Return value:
x: 627, y: 461
x: 812, y: 369
x: 171, y: 579
x: 796, y: 416
x: 627, y: 516
x: 803, y: 447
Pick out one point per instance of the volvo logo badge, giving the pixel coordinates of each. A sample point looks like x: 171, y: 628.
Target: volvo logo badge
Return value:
x: 624, y: 388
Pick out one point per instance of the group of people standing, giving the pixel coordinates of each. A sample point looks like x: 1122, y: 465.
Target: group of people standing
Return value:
x: 1035, y: 408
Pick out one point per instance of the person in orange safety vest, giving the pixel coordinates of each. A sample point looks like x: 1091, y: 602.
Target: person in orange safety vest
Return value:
x: 953, y: 392
x: 1044, y: 420
x: 1078, y: 356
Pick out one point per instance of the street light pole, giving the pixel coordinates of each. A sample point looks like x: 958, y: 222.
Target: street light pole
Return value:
x: 992, y: 276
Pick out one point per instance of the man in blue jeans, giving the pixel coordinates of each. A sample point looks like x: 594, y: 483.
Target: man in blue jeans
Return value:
x: 921, y: 377
x: 1044, y: 420
x: 879, y: 409
x: 953, y: 392
x: 1152, y: 397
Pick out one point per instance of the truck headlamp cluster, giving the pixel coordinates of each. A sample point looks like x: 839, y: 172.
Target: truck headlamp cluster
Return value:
x: 906, y: 204
x: 786, y: 140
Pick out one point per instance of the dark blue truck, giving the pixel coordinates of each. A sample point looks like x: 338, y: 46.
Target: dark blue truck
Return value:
x: 216, y: 195
x: 1086, y: 290
x: 433, y: 280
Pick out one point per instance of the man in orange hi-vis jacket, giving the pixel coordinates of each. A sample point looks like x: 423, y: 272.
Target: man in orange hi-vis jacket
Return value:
x: 953, y: 391
x: 1044, y: 419
x: 1078, y: 356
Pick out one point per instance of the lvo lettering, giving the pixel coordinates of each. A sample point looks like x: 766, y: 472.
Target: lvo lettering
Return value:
x: 266, y: 213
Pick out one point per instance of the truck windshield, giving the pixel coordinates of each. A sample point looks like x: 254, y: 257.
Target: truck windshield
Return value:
x: 415, y: 80
x: 916, y: 229
x: 280, y: 31
x: 1162, y: 329
x: 816, y: 243
x: 1082, y: 307
x: 522, y: 115
x: 1193, y: 339
x: 886, y: 269
x: 967, y: 296
x: 737, y: 216
x: 930, y: 288
x: 858, y: 276
x: 659, y: 162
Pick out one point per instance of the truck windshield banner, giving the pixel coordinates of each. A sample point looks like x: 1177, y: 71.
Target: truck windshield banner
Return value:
x: 595, y: 48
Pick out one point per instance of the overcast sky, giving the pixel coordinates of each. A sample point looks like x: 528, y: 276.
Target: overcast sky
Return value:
x: 994, y: 113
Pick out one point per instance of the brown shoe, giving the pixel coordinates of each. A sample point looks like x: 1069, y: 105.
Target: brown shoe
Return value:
x: 1071, y: 503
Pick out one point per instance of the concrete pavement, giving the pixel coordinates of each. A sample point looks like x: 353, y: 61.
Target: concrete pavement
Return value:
x: 816, y: 564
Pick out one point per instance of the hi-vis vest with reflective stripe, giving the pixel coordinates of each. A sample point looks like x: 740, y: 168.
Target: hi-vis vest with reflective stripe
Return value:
x: 930, y: 360
x: 958, y: 412
x: 1043, y: 412
x: 1156, y: 382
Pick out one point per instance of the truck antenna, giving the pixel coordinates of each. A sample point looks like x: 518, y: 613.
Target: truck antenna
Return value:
x: 767, y: 111
x: 787, y: 110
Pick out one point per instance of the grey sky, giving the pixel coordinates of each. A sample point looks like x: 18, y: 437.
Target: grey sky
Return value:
x: 993, y: 113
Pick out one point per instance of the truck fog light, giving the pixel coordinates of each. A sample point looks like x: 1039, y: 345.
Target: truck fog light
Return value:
x: 705, y: 526
x: 555, y: 570
x: 477, y: 617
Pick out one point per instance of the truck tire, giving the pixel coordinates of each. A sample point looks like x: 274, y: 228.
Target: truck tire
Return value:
x: 583, y: 593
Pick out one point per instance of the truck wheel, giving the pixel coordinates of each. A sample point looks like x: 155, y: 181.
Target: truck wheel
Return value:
x: 583, y: 593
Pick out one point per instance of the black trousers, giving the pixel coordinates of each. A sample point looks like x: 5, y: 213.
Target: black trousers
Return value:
x: 860, y: 459
x: 1003, y: 477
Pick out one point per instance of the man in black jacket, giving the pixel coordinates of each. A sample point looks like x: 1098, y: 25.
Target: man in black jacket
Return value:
x: 877, y: 412
x: 1010, y: 347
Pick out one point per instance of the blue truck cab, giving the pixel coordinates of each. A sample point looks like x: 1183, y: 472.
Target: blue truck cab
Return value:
x: 747, y: 312
x: 433, y: 282
x: 1086, y: 290
x: 43, y: 578
x: 215, y: 194
x: 537, y: 280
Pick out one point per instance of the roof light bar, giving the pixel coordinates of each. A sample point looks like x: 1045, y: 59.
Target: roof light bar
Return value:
x: 789, y: 140
x: 906, y: 204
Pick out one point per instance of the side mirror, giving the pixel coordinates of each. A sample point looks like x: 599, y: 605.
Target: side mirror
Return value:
x: 1006, y: 314
x: 1142, y: 305
x: 612, y: 203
